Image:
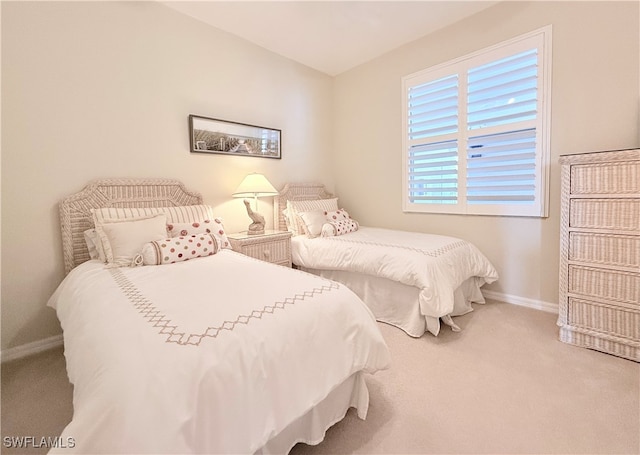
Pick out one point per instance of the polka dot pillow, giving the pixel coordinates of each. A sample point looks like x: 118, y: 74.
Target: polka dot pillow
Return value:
x: 340, y: 227
x: 337, y: 215
x: 213, y: 227
x: 338, y: 223
x: 177, y: 249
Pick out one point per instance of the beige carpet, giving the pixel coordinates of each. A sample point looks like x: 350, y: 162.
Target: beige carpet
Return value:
x: 504, y: 385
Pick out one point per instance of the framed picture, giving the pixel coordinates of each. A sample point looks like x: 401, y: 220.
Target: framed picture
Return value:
x: 210, y: 135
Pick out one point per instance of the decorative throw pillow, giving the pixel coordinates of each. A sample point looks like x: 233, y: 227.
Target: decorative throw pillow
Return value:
x: 179, y: 214
x: 297, y: 207
x: 122, y: 240
x: 92, y: 241
x: 214, y: 227
x: 177, y: 249
x: 313, y: 222
x: 337, y: 215
x: 287, y: 219
x: 340, y: 227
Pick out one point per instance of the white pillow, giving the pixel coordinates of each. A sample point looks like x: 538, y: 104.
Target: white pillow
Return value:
x: 297, y: 207
x: 92, y: 241
x: 313, y: 222
x: 122, y: 240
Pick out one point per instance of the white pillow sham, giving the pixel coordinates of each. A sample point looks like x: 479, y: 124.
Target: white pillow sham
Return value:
x: 313, y: 222
x: 122, y: 240
x: 296, y: 207
x: 92, y: 241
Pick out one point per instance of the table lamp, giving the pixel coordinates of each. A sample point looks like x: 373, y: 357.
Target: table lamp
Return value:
x: 255, y: 185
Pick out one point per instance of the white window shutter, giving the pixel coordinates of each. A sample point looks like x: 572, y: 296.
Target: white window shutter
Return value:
x: 475, y: 132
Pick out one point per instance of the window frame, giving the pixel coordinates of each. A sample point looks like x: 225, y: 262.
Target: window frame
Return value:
x: 540, y: 39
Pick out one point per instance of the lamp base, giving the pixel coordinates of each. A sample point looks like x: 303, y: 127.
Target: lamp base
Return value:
x: 257, y: 227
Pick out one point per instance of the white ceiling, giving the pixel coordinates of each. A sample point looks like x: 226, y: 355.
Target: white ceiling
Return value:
x: 330, y: 36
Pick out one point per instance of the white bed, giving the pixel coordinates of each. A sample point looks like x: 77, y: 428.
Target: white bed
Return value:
x: 413, y: 281
x: 219, y: 354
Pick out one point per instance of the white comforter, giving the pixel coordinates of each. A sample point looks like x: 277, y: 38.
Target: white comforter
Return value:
x: 435, y: 264
x: 213, y: 355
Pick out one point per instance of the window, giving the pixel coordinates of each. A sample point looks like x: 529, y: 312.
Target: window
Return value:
x: 476, y: 132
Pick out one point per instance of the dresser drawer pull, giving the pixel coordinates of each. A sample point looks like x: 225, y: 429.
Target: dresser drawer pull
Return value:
x: 266, y: 253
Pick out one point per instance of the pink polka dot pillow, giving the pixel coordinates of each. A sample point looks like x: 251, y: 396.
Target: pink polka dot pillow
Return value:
x: 177, y: 249
x: 338, y: 223
x: 214, y: 227
x: 337, y: 215
x: 339, y: 227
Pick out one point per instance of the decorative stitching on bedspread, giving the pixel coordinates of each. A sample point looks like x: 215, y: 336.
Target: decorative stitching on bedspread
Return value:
x: 159, y: 320
x: 433, y: 253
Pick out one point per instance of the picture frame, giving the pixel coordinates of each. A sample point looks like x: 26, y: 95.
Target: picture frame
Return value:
x: 211, y: 135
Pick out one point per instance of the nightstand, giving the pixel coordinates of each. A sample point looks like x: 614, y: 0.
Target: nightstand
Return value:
x: 272, y: 246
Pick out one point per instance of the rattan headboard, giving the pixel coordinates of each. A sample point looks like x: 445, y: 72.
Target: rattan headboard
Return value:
x: 75, y: 210
x: 295, y: 192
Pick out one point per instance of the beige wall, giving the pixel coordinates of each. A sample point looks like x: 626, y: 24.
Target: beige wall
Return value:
x: 595, y: 107
x: 104, y: 89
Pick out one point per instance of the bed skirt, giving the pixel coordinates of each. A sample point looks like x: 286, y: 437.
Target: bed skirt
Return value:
x: 311, y: 427
x: 398, y: 304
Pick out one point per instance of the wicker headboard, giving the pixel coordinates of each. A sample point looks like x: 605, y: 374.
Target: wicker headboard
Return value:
x: 295, y: 192
x: 75, y: 210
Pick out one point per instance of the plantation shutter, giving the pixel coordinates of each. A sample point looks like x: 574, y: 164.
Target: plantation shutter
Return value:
x: 501, y: 168
x: 433, y: 166
x: 475, y: 132
x: 503, y: 92
x: 502, y: 95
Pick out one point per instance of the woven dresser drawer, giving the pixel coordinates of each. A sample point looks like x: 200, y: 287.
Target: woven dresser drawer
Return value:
x: 272, y: 246
x: 599, y: 304
x: 614, y: 214
x: 607, y: 319
x: 612, y: 285
x: 607, y: 178
x: 606, y: 249
x: 275, y: 251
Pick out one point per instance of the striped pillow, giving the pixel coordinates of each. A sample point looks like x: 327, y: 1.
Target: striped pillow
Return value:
x: 181, y: 214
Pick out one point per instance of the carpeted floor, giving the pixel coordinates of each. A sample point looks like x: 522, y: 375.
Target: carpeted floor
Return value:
x: 504, y: 385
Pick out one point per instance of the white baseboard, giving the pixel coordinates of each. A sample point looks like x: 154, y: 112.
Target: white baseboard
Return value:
x: 522, y: 301
x: 28, y: 349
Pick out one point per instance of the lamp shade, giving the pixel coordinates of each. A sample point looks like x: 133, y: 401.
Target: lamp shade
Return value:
x: 255, y: 185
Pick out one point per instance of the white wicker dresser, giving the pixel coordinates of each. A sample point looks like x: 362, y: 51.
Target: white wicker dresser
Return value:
x: 599, y: 304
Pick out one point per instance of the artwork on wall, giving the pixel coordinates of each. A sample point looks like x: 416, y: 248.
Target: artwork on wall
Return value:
x: 210, y: 135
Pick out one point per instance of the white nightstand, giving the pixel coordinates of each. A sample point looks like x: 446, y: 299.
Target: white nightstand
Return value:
x: 272, y: 246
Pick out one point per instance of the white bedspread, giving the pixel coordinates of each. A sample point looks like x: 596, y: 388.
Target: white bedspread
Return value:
x: 435, y: 264
x: 213, y: 355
